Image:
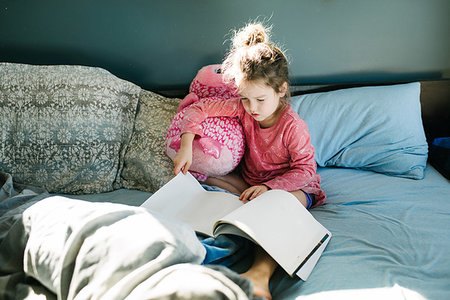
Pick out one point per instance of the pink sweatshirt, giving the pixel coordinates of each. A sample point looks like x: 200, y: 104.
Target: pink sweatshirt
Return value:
x: 281, y: 156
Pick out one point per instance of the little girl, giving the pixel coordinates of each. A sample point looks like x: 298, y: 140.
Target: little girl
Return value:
x: 279, y: 154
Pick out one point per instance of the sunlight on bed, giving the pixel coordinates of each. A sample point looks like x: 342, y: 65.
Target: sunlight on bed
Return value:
x: 395, y: 292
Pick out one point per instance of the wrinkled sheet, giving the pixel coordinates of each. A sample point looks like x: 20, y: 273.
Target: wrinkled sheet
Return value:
x: 390, y: 240
x: 61, y: 248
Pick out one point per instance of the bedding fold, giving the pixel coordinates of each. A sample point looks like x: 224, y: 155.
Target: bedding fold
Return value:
x: 74, y: 249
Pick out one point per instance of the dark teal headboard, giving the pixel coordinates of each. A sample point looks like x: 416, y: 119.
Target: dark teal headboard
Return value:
x: 160, y: 44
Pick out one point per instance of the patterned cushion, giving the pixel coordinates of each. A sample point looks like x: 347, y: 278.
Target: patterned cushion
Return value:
x: 65, y: 128
x: 146, y: 165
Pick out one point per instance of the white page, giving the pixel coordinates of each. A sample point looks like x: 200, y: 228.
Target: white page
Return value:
x: 281, y: 225
x: 185, y: 199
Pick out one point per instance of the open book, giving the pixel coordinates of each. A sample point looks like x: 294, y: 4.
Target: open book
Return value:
x: 275, y: 220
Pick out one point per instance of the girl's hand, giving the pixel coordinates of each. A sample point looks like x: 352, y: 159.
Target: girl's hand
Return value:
x: 253, y: 192
x: 183, y: 159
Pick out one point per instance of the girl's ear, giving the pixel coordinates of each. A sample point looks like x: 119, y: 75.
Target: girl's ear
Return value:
x: 283, y: 89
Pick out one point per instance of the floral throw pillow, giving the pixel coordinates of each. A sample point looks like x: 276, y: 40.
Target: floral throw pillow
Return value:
x: 146, y: 166
x: 65, y: 128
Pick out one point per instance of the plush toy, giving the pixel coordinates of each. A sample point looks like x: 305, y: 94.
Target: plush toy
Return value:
x: 221, y: 147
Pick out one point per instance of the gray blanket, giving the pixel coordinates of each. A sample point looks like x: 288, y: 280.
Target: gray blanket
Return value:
x: 59, y: 248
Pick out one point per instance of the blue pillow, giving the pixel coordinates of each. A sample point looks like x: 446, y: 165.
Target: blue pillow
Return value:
x: 372, y: 128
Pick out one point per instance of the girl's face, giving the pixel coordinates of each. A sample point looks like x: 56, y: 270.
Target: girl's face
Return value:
x: 261, y: 101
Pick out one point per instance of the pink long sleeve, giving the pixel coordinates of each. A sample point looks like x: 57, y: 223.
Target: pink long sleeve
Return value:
x: 301, y: 166
x: 282, y: 156
x: 198, y: 112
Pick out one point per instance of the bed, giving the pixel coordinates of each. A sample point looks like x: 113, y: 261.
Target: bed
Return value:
x: 388, y: 210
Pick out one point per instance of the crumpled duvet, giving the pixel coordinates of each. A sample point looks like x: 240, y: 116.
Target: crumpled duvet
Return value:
x: 63, y: 248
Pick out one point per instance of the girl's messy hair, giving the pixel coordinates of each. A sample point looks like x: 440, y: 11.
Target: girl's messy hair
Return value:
x: 253, y: 56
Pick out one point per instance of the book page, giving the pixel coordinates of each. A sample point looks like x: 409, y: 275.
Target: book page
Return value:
x: 280, y: 224
x: 185, y: 199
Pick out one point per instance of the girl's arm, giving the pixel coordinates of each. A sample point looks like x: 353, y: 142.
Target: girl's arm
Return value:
x: 196, y: 113
x: 302, y: 166
x: 183, y: 158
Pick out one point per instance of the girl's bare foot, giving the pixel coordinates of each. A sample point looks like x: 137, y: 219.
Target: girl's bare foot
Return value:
x: 260, y: 272
x: 260, y: 284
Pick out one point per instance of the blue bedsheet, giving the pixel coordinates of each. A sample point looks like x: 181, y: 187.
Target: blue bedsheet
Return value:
x: 390, y: 240
x: 390, y: 236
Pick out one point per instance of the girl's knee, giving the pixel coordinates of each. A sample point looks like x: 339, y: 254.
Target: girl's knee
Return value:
x: 301, y: 196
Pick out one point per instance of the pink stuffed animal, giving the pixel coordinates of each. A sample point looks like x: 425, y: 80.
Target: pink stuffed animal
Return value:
x: 221, y: 147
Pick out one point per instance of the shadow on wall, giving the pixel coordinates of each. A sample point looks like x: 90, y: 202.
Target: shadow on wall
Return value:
x: 366, y: 76
x: 146, y: 76
x: 119, y: 66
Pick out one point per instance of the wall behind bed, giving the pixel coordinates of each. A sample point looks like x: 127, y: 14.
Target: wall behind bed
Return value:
x: 160, y: 44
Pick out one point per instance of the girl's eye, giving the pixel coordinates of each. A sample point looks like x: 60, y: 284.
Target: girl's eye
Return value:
x: 243, y: 99
x: 260, y: 100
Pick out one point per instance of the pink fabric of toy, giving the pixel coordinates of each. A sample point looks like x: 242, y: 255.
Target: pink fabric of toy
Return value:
x: 221, y: 147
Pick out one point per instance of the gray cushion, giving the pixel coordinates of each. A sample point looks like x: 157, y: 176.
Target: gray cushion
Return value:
x: 147, y: 167
x: 65, y: 128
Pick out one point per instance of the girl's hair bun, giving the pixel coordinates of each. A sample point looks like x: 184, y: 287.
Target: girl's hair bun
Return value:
x: 253, y: 56
x: 251, y: 35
